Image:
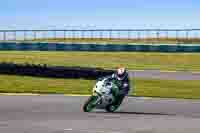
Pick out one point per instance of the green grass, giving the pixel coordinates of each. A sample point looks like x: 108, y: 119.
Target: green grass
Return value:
x: 143, y: 87
x: 108, y: 60
x: 26, y: 84
x: 122, y: 40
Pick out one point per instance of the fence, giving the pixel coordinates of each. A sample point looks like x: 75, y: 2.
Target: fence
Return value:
x: 105, y: 35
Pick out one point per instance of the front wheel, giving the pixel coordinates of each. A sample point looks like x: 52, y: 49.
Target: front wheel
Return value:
x: 111, y: 108
x: 89, y: 104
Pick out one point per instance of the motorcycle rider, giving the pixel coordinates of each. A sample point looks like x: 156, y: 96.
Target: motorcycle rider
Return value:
x: 122, y: 77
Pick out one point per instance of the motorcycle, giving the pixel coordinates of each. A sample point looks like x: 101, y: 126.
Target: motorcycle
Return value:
x: 102, y: 96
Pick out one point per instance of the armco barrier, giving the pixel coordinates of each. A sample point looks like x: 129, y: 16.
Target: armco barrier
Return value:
x: 98, y: 47
x: 53, y: 71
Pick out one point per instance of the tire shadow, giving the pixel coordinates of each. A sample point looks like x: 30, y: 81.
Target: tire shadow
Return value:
x: 133, y: 113
x: 142, y: 113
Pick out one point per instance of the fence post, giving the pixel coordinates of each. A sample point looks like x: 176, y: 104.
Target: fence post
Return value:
x: 64, y: 34
x: 4, y: 35
x: 35, y: 35
x: 73, y: 35
x: 24, y: 35
x: 177, y: 40
x: 15, y: 36
x: 101, y: 35
x: 82, y: 34
x: 187, y: 35
x: 91, y: 34
x: 129, y: 35
x: 138, y: 35
x: 54, y: 34
x: 110, y: 34
x: 147, y: 38
x: 119, y: 34
x: 167, y: 35
x: 158, y: 35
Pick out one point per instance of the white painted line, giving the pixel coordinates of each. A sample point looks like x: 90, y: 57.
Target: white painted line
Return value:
x: 144, y: 98
x: 96, y: 131
x: 76, y: 95
x: 68, y: 129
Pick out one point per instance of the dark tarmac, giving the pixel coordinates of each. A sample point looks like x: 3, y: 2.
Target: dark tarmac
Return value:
x: 62, y: 114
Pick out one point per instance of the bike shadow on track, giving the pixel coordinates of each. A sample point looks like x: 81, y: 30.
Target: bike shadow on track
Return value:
x: 132, y: 113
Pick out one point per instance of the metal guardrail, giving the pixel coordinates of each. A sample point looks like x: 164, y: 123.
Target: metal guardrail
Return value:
x: 123, y: 35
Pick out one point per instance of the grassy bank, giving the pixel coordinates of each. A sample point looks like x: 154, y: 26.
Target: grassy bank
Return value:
x: 141, y: 40
x: 108, y: 60
x: 143, y: 87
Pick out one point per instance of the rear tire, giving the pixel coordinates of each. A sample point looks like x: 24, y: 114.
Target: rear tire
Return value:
x: 88, y: 105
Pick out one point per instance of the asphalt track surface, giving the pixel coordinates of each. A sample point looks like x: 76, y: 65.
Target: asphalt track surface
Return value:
x: 156, y: 74
x: 62, y: 114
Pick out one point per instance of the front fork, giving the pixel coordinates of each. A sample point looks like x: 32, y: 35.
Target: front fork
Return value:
x: 99, y: 98
x: 115, y: 92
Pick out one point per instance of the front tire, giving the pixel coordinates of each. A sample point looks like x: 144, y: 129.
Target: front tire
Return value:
x: 111, y: 108
x: 89, y: 104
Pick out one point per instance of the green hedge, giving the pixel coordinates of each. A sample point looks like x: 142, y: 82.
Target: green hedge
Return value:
x: 53, y: 71
x: 97, y: 47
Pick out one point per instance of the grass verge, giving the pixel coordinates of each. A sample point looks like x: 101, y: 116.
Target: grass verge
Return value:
x: 142, y: 40
x: 142, y: 87
x: 107, y: 60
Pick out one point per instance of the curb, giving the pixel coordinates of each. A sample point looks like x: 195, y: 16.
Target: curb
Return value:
x: 19, y: 94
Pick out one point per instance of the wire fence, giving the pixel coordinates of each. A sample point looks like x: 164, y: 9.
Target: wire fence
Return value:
x: 105, y: 35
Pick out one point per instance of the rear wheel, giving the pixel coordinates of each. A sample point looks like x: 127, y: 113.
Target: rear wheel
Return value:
x: 89, y: 104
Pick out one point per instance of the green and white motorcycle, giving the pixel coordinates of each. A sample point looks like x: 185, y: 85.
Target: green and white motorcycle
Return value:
x: 104, y: 92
